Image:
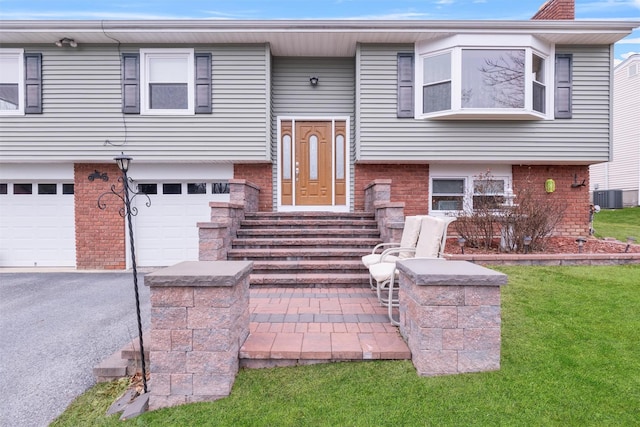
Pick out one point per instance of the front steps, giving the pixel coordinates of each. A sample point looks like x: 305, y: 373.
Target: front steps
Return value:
x: 310, y: 300
x: 306, y: 249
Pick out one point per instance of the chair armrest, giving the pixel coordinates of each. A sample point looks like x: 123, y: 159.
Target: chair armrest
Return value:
x: 397, y: 250
x: 382, y: 245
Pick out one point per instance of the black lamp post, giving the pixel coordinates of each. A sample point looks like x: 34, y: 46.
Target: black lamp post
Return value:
x: 127, y: 211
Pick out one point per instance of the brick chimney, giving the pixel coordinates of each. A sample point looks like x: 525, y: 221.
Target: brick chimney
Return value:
x: 557, y: 10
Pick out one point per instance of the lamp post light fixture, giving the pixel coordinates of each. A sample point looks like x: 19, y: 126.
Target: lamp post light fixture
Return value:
x: 630, y: 241
x: 581, y: 241
x: 127, y: 194
x: 461, y: 242
x: 527, y: 244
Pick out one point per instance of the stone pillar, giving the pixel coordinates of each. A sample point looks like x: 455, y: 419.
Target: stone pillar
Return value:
x: 199, y: 321
x: 390, y: 215
x: 245, y: 193
x: 216, y: 235
x: 450, y: 315
x: 376, y: 191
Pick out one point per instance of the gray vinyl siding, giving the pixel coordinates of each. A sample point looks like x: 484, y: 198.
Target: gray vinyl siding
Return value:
x: 385, y: 138
x: 82, y: 110
x: 293, y: 95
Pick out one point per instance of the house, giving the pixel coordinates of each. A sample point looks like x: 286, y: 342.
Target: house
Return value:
x: 309, y: 111
x: 622, y: 172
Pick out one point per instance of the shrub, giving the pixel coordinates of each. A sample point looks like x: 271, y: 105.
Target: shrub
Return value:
x: 492, y: 216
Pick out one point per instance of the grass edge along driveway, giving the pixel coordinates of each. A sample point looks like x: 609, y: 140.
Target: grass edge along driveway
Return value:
x: 570, y: 356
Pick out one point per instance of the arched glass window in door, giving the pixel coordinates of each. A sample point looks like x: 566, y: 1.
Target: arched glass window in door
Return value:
x: 313, y: 157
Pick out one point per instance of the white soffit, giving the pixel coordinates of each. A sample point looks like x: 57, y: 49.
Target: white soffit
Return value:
x: 303, y: 38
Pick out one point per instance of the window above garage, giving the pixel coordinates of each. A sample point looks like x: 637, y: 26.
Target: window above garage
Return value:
x: 166, y: 82
x: 483, y: 77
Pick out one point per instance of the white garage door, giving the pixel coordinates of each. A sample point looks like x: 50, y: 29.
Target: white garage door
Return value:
x: 37, y: 225
x: 166, y: 233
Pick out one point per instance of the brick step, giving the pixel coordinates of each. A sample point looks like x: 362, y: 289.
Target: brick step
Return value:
x: 348, y: 216
x: 302, y: 266
x: 310, y: 232
x: 326, y: 243
x: 311, y: 280
x: 313, y: 325
x: 122, y: 363
x: 296, y: 254
x: 307, y: 223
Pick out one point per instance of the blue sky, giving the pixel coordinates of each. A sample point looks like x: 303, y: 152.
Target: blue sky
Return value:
x: 327, y: 9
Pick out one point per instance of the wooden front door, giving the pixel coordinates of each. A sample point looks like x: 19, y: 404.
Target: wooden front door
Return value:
x: 313, y: 166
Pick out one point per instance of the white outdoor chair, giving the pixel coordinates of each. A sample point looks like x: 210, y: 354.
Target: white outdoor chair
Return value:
x: 430, y: 245
x: 409, y: 239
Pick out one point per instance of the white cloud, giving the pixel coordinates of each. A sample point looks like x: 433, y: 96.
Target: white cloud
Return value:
x: 624, y: 56
x: 84, y: 15
x: 596, y: 6
x: 445, y: 2
x: 635, y: 40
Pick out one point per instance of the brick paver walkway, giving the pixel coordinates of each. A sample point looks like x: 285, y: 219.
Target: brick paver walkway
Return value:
x: 299, y: 324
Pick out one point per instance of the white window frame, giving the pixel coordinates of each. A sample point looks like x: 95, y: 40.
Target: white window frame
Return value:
x: 19, y: 55
x: 456, y: 45
x: 148, y: 54
x: 467, y: 173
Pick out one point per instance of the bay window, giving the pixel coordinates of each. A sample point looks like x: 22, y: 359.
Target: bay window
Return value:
x: 465, y: 78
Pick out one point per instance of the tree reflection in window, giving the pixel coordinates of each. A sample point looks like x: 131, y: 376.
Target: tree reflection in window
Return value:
x: 493, y: 78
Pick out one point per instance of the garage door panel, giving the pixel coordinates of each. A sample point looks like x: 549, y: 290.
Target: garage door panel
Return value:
x: 167, y: 232
x: 37, y: 229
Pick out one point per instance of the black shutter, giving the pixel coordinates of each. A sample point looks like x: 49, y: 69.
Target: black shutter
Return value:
x: 203, y: 83
x: 33, y: 83
x: 131, y: 83
x: 563, y: 86
x: 405, y: 85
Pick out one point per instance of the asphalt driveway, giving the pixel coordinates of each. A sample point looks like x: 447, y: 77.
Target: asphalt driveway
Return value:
x: 54, y: 328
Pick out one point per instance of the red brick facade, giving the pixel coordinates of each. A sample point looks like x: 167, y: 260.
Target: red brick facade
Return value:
x: 410, y: 184
x: 576, y: 217
x: 259, y: 174
x: 556, y: 10
x: 100, y: 234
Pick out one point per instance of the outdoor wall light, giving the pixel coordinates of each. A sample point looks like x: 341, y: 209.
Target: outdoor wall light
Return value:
x: 630, y: 241
x: 314, y: 81
x: 581, y: 241
x: 527, y: 244
x: 66, y: 41
x: 461, y: 242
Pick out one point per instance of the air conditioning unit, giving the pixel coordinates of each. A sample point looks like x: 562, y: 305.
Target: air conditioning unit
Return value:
x: 608, y: 199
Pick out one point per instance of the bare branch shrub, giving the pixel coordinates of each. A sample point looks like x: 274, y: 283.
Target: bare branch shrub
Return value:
x: 533, y: 214
x: 479, y: 220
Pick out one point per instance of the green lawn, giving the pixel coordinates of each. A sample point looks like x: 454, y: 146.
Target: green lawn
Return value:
x: 618, y: 223
x: 570, y: 357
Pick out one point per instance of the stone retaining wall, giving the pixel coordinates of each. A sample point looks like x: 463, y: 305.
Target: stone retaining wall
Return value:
x: 450, y: 315
x: 199, y: 321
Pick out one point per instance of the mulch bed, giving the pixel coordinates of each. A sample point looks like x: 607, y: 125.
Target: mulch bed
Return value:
x: 556, y: 245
